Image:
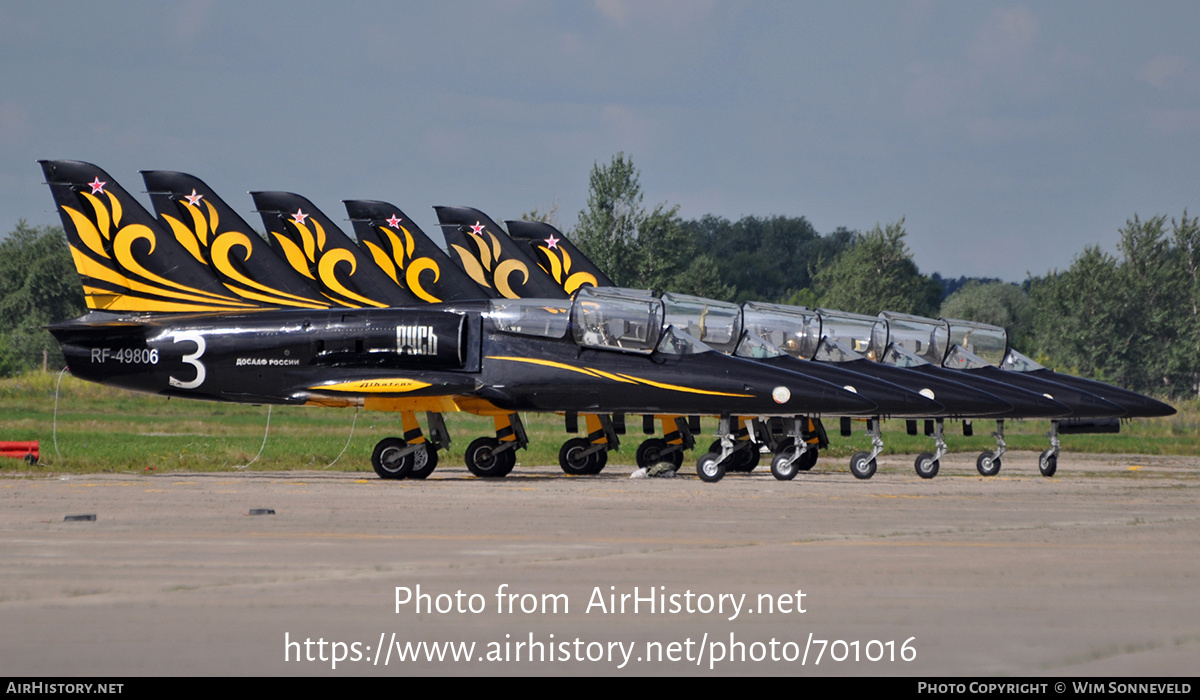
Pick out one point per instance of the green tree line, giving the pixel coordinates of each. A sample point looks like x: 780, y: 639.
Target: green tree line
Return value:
x: 38, y: 285
x: 1132, y: 319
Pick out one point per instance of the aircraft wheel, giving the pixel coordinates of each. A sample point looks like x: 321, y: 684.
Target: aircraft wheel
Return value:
x: 424, y: 462
x: 1048, y: 463
x: 484, y: 461
x: 862, y: 467
x: 510, y: 461
x: 710, y: 468
x: 598, y: 461
x: 926, y: 466
x: 654, y: 450
x: 387, y: 460
x: 988, y: 463
x: 744, y: 458
x: 571, y: 457
x: 807, y: 460
x: 748, y: 458
x: 781, y: 469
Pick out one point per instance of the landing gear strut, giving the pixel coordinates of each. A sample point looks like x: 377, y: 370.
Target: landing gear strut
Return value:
x: 712, y: 466
x: 862, y: 464
x: 928, y: 463
x: 1048, y: 460
x: 988, y: 462
x: 794, y: 454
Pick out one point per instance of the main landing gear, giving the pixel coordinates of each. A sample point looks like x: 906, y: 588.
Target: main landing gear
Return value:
x: 677, y: 438
x: 588, y: 455
x: 495, y: 457
x: 412, y: 456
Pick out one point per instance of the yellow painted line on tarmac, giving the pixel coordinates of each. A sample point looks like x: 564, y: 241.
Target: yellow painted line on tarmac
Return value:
x: 155, y: 490
x: 1135, y: 468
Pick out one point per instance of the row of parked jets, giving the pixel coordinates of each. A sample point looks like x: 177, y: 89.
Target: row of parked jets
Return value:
x: 505, y: 320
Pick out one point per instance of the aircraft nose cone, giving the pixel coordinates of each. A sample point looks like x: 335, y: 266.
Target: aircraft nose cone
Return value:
x: 1136, y: 405
x: 1083, y: 404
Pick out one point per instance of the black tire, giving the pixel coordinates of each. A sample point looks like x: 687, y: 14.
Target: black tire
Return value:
x: 862, y: 467
x: 654, y: 450
x: 424, y: 462
x: 748, y: 458
x: 988, y: 463
x: 510, y: 461
x: 781, y: 469
x: 745, y: 455
x: 484, y: 461
x: 599, y: 460
x: 386, y: 460
x: 807, y: 461
x: 710, y: 468
x: 926, y: 466
x: 571, y: 457
x: 1048, y: 463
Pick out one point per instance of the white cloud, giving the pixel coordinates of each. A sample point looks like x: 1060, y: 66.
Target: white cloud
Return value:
x: 1162, y: 70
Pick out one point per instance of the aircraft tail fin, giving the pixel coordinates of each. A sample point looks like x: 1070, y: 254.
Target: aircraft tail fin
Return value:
x: 127, y: 262
x: 218, y: 237
x: 314, y: 246
x: 407, y: 255
x: 486, y: 253
x: 557, y: 255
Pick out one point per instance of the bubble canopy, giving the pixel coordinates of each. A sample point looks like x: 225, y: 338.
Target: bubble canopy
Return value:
x: 924, y: 337
x: 793, y: 329
x: 717, y: 324
x: 617, y: 319
x: 865, y: 335
x: 544, y: 318
x: 989, y: 343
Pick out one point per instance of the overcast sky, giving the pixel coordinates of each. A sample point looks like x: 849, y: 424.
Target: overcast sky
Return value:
x: 1008, y: 135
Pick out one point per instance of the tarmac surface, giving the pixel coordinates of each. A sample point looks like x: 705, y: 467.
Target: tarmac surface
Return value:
x: 1093, y: 572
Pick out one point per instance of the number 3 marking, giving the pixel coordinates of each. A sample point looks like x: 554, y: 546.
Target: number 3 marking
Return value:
x: 192, y: 359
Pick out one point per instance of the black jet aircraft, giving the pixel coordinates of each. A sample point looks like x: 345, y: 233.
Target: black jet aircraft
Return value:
x: 160, y: 321
x: 983, y: 349
x: 948, y: 347
x: 829, y: 337
x: 718, y: 324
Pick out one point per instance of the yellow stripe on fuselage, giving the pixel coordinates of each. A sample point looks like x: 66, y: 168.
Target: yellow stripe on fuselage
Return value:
x: 625, y: 378
x: 374, y: 386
